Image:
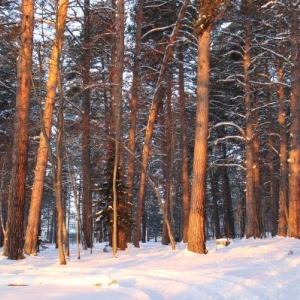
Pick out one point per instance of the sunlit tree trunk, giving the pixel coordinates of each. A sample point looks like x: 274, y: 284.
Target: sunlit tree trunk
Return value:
x: 294, y: 153
x: 16, y: 198
x: 196, y: 233
x: 42, y: 154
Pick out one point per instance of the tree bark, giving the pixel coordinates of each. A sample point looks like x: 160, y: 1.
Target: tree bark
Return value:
x: 16, y: 199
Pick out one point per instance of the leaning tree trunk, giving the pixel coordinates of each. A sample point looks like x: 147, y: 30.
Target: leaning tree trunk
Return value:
x: 46, y: 119
x: 16, y: 198
x: 151, y: 120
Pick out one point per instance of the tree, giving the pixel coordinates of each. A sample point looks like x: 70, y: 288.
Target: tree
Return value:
x: 185, y: 172
x: 118, y: 81
x: 294, y: 152
x: 252, y: 226
x: 208, y: 11
x: 46, y: 119
x: 86, y: 134
x: 16, y: 199
x: 283, y: 211
x: 168, y: 53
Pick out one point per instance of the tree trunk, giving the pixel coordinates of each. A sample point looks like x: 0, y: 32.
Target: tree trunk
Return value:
x: 196, y: 234
x: 117, y: 80
x: 133, y: 102
x: 185, y: 171
x: 273, y: 202
x: 14, y: 240
x: 256, y: 165
x: 86, y: 134
x: 169, y: 154
x: 226, y: 192
x: 252, y: 228
x: 294, y: 154
x: 283, y: 213
x: 152, y: 117
x: 46, y: 118
x: 214, y: 194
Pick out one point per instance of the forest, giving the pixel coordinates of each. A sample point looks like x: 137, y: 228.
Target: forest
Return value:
x: 134, y: 120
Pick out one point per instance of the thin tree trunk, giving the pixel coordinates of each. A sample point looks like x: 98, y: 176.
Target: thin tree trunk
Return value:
x: 185, y: 172
x: 86, y: 134
x: 256, y: 165
x: 16, y: 198
x: 117, y: 80
x: 216, y: 218
x: 77, y: 206
x: 273, y: 202
x: 46, y: 119
x: 169, y: 154
x: 152, y: 117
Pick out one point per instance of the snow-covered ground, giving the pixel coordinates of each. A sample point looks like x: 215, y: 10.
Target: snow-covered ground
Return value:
x: 246, y: 269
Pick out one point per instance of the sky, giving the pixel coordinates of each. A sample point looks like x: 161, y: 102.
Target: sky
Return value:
x: 246, y: 269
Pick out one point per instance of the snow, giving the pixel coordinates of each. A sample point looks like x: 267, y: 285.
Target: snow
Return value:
x: 246, y: 269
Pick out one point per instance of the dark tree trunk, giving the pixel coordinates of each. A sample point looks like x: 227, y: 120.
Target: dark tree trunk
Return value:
x: 185, y: 172
x: 283, y: 211
x: 86, y: 134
